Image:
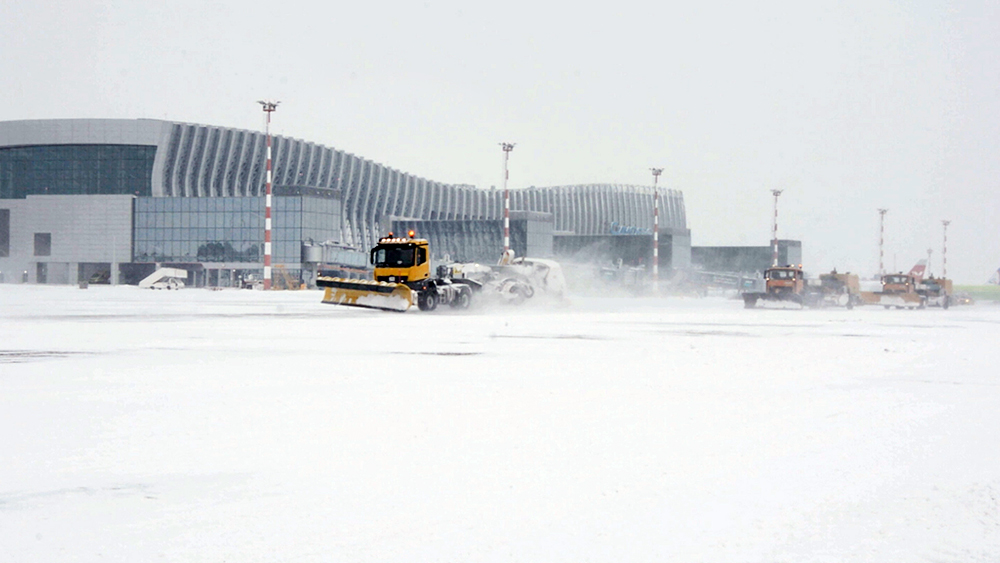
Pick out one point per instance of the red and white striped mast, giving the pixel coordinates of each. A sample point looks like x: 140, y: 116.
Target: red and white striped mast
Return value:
x: 507, y: 147
x: 269, y: 108
x: 774, y: 229
x: 944, y: 250
x: 881, y: 241
x: 656, y: 229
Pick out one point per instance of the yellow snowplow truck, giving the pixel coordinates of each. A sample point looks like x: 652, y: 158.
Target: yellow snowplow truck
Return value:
x: 402, y: 277
x: 898, y: 290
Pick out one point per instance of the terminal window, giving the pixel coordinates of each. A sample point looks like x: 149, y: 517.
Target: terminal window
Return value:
x: 76, y: 169
x: 4, y: 232
x: 43, y: 244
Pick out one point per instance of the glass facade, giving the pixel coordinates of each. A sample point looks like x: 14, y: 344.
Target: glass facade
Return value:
x: 538, y: 239
x: 76, y: 169
x: 4, y: 233
x: 298, y: 219
x: 230, y: 229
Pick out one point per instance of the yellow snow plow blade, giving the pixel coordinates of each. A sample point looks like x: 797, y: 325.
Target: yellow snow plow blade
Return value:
x: 366, y: 293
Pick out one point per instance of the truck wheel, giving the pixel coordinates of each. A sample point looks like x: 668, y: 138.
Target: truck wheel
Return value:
x: 947, y: 302
x: 516, y: 294
x: 923, y: 304
x: 850, y: 303
x: 427, y: 302
x: 462, y: 300
x: 749, y: 303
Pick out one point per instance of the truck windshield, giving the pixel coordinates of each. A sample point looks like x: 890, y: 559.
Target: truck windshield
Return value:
x: 394, y: 256
x: 781, y: 274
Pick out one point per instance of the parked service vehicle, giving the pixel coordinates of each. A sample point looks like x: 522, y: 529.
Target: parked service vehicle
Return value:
x: 533, y: 275
x: 936, y: 292
x: 101, y: 277
x: 251, y: 281
x: 899, y: 291
x: 961, y: 298
x: 834, y: 290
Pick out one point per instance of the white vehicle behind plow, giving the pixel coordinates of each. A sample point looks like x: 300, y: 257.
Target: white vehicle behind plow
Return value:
x: 516, y: 279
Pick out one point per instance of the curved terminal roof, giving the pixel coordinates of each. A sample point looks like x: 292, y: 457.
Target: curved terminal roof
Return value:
x: 193, y: 160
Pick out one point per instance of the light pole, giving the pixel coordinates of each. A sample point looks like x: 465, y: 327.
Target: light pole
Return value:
x: 656, y: 229
x: 944, y: 250
x: 881, y: 241
x: 268, y: 107
x: 507, y: 147
x: 774, y: 229
x: 929, y: 252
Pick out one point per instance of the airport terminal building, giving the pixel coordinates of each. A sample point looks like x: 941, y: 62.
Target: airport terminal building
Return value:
x: 82, y: 198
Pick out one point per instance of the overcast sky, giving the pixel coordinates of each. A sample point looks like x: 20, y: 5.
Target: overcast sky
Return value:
x: 847, y: 106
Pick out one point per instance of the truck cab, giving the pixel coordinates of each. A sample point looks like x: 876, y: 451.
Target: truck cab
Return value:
x: 784, y: 280
x: 401, y: 260
x: 782, y: 284
x: 899, y: 283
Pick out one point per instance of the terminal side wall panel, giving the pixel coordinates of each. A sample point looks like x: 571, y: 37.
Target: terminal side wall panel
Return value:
x: 395, y: 191
x: 183, y: 154
x: 197, y: 161
x: 324, y: 173
x: 212, y: 163
x: 363, y: 193
x: 372, y: 187
x: 364, y: 186
x: 233, y: 165
x: 378, y: 197
x: 170, y: 162
x: 256, y: 166
x: 406, y: 199
x: 350, y: 198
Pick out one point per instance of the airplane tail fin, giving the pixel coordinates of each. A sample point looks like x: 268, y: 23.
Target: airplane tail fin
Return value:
x: 918, y: 269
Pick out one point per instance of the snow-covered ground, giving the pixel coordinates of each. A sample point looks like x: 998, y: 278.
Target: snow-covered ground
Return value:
x: 237, y: 426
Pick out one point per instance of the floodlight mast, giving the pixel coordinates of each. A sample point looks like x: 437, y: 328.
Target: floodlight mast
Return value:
x: 881, y: 241
x: 507, y: 147
x: 656, y: 229
x: 268, y: 106
x: 944, y: 250
x: 774, y: 229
